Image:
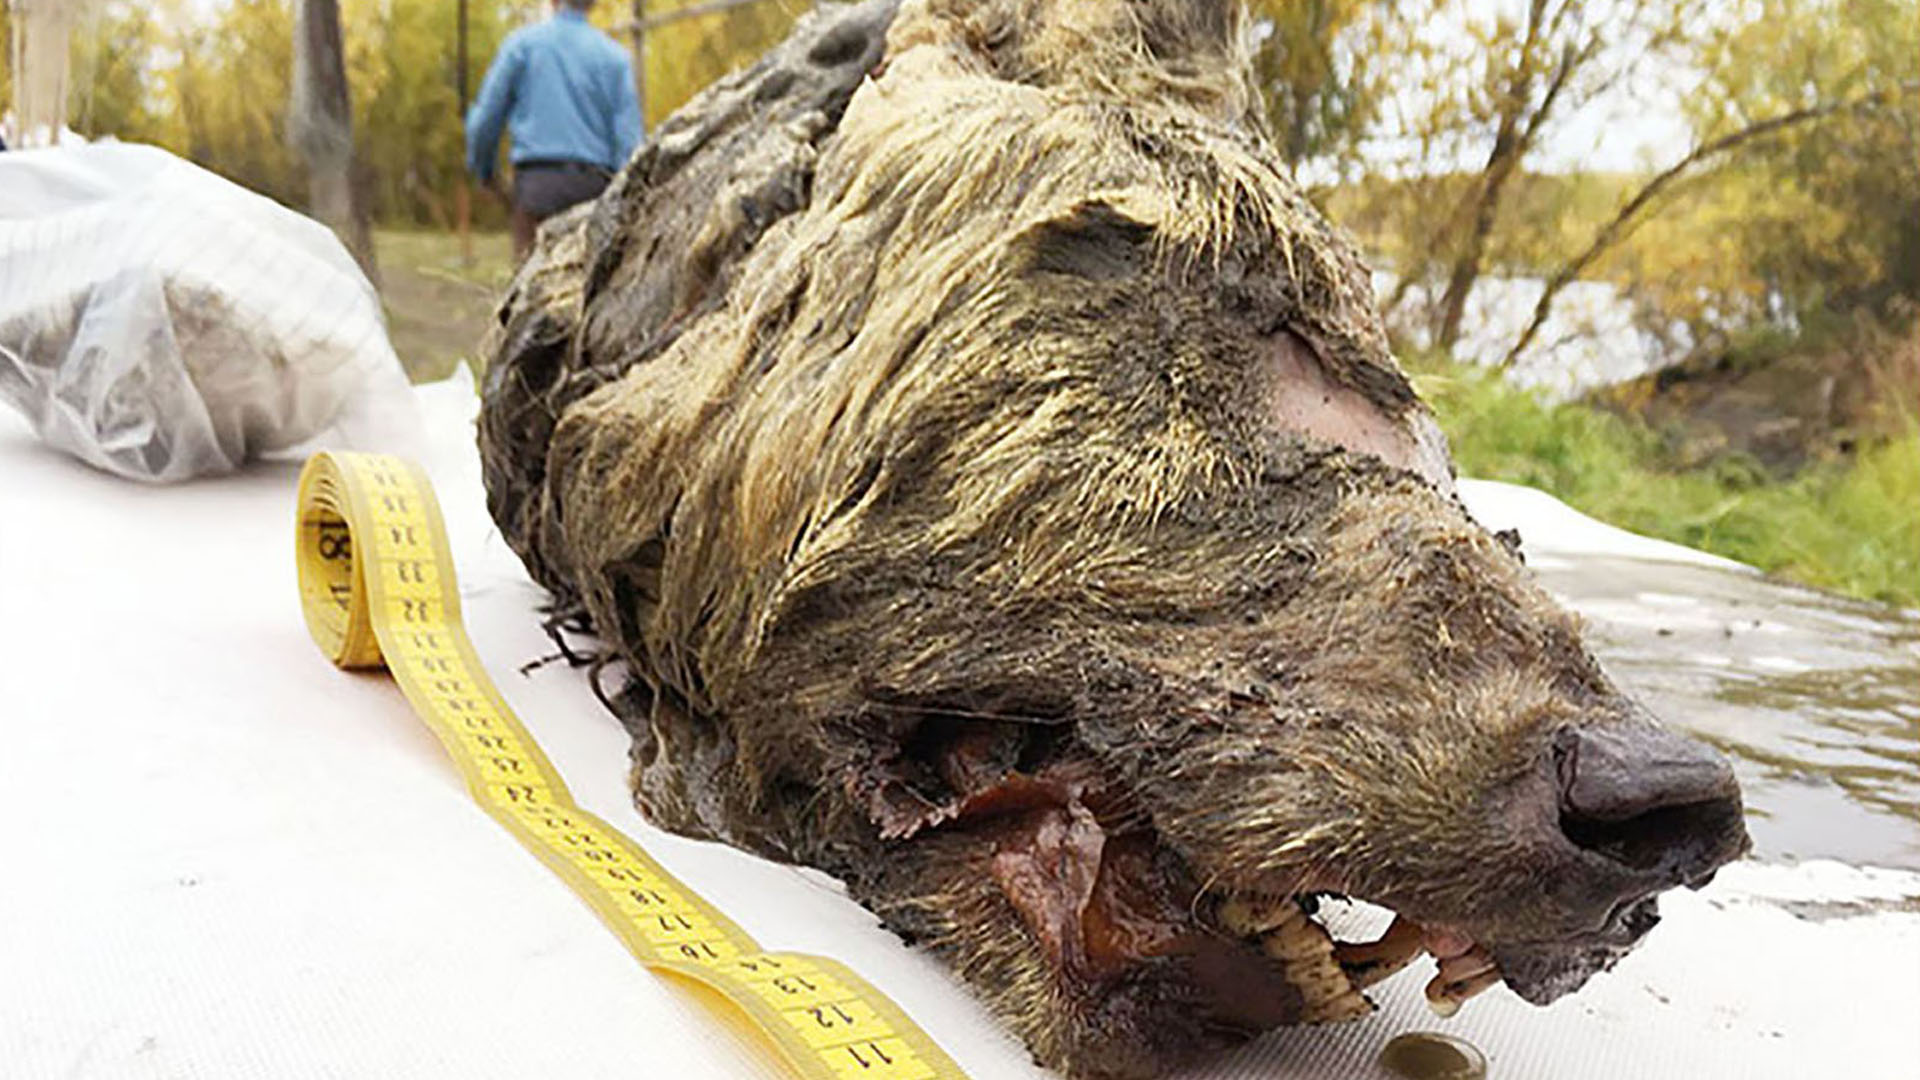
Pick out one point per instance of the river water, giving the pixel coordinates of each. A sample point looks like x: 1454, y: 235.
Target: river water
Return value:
x: 1594, y: 335
x: 1815, y: 697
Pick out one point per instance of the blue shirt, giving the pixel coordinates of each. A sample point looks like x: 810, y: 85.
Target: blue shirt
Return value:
x: 564, y: 90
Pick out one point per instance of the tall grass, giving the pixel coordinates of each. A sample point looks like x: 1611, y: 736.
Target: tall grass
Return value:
x: 1851, y: 525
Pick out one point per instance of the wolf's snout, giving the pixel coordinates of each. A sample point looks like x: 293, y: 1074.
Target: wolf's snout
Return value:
x: 1660, y: 804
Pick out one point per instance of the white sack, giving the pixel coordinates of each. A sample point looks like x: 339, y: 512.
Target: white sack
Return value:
x: 160, y: 322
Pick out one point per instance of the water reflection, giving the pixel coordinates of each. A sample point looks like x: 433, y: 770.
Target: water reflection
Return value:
x: 1817, y: 698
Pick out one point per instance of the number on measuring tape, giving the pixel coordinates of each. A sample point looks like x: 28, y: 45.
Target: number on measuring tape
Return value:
x: 401, y: 611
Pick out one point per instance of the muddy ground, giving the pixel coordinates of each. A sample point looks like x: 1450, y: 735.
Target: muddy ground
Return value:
x: 1779, y: 410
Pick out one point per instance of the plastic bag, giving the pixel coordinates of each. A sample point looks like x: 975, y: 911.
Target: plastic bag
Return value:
x: 160, y: 322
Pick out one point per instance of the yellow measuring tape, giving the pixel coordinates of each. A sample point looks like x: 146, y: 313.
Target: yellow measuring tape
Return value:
x: 377, y: 586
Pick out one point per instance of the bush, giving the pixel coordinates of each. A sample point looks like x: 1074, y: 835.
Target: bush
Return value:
x: 1850, y: 524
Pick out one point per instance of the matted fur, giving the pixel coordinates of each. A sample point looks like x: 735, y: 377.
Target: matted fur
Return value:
x: 901, y: 418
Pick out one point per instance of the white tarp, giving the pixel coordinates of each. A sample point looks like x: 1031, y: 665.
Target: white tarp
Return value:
x: 225, y: 859
x: 160, y: 322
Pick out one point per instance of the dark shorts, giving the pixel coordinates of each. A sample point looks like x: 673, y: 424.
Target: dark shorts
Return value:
x: 544, y: 188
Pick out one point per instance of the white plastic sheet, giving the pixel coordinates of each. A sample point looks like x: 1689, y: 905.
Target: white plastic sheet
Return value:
x: 225, y: 858
x: 160, y: 322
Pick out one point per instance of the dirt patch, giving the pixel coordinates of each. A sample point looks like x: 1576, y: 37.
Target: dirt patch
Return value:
x: 1779, y: 412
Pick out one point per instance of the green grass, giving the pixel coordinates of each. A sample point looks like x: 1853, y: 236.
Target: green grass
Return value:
x: 437, y: 254
x: 1849, y: 525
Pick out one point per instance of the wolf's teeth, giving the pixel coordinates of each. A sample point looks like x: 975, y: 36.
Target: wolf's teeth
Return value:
x: 1347, y: 1006
x: 1458, y: 969
x: 1367, y: 964
x: 1315, y: 972
x: 1461, y: 977
x: 1327, y: 974
x: 1250, y: 918
x: 1475, y: 985
x: 1299, y: 940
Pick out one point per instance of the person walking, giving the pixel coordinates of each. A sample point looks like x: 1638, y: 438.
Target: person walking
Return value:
x: 564, y: 92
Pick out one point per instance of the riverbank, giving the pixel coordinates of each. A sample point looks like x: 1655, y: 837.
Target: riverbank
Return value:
x: 1849, y: 524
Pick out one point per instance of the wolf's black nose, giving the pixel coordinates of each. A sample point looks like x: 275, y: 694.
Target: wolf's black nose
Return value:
x: 1650, y: 799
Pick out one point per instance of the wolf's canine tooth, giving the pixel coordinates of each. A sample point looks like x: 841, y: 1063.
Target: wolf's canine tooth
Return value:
x: 1368, y: 963
x: 1298, y: 942
x: 1449, y: 989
